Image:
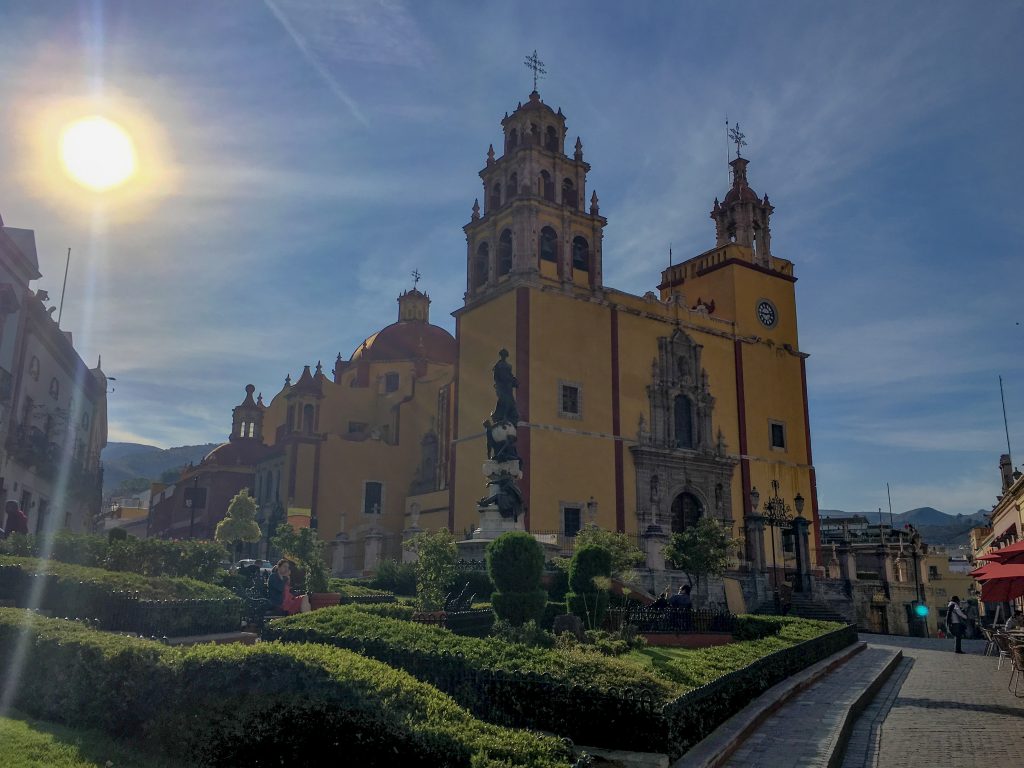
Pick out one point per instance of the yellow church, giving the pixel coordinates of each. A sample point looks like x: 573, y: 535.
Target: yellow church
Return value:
x: 638, y: 414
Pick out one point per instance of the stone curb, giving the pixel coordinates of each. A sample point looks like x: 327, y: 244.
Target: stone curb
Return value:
x: 837, y: 749
x: 717, y: 748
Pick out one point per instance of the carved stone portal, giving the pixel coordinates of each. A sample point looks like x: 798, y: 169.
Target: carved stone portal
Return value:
x: 682, y: 473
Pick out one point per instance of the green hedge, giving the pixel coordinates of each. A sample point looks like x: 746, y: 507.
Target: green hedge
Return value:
x: 515, y: 563
x: 242, y: 705
x: 146, y: 557
x: 388, y: 610
x: 587, y: 599
x: 158, y: 606
x: 570, y: 693
x: 754, y: 627
x: 347, y: 589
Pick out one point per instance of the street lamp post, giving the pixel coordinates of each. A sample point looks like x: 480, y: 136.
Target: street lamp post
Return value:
x: 777, y: 514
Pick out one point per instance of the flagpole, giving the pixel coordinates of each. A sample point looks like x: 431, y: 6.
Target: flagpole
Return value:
x: 67, y: 265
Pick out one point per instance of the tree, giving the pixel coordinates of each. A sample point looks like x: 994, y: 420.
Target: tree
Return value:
x: 624, y: 554
x: 170, y: 476
x: 132, y: 486
x: 240, y: 522
x: 436, y: 555
x: 702, y: 550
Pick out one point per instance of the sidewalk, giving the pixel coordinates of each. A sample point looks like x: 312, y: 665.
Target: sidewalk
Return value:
x: 940, y: 709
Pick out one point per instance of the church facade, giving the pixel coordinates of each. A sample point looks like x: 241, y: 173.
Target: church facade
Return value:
x: 637, y: 413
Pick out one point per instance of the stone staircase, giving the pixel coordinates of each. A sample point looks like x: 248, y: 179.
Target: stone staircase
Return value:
x: 806, y: 607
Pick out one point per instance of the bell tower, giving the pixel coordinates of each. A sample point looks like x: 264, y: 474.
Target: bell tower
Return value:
x: 742, y: 217
x: 534, y: 224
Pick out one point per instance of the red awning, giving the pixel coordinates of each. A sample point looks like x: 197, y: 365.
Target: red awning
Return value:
x: 1002, y: 583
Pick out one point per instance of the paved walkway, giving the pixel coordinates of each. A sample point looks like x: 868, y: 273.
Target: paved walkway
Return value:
x: 803, y: 732
x: 940, y: 709
x: 936, y: 708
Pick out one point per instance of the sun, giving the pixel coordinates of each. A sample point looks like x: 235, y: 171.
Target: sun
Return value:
x: 97, y: 153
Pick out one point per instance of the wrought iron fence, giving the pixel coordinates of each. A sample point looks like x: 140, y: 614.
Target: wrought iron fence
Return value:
x: 648, y: 619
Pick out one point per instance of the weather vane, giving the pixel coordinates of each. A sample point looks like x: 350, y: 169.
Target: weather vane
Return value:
x: 415, y: 278
x: 532, y: 62
x: 737, y: 138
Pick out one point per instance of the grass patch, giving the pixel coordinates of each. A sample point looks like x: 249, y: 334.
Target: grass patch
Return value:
x: 689, y: 668
x: 29, y: 743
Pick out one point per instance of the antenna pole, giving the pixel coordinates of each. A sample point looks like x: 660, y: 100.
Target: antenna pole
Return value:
x: 67, y: 265
x: 889, y: 494
x: 1006, y: 425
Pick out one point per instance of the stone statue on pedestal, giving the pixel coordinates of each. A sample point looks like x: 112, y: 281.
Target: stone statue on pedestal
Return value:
x: 503, y: 465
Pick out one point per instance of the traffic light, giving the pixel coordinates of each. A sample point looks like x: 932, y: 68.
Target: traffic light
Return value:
x: 920, y: 610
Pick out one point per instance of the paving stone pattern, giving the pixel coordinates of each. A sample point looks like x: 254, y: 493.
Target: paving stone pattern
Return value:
x: 947, y: 710
x: 801, y: 732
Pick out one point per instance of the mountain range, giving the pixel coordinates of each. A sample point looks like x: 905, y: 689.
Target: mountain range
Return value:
x: 935, y: 526
x: 126, y: 461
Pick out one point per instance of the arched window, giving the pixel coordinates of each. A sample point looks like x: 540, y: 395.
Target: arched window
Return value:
x: 548, y: 244
x: 505, y: 253
x: 580, y: 254
x: 569, y: 193
x: 684, y: 422
x: 513, y: 186
x: 478, y: 269
x: 495, y: 197
x: 686, y: 511
x: 547, y: 186
x: 513, y: 139
x: 535, y: 133
x: 551, y: 139
x: 307, y: 418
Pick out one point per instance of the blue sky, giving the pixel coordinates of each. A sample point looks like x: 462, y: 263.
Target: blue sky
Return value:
x: 314, y: 152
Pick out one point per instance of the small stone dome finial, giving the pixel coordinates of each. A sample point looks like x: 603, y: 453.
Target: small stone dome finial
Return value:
x: 490, y: 154
x: 594, y: 207
x: 476, y: 209
x: 579, y: 149
x: 288, y: 380
x: 319, y: 369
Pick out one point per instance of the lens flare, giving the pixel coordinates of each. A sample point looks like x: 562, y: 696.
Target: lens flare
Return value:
x: 97, y: 153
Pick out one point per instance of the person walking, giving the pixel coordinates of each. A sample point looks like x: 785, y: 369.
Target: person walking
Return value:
x: 956, y: 621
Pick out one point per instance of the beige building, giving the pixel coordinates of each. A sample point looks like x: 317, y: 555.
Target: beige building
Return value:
x: 53, y: 407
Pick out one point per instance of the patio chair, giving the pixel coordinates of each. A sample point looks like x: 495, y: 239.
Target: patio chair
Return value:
x: 1003, y: 643
x: 990, y: 642
x: 1017, y: 660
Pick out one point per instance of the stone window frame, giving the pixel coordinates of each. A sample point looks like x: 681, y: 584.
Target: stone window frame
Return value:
x: 771, y: 436
x: 392, y: 378
x: 565, y: 505
x: 362, y: 504
x: 578, y: 386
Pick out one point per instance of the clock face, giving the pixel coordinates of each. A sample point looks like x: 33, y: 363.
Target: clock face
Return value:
x: 767, y: 314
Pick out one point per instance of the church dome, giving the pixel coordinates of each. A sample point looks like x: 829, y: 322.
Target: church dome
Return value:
x: 235, y: 454
x: 408, y: 340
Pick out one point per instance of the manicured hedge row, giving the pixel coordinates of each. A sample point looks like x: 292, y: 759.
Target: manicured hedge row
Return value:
x: 157, y: 606
x: 593, y: 700
x: 388, y: 610
x: 578, y: 695
x: 147, y: 557
x: 357, y: 593
x: 245, y: 705
x: 754, y: 627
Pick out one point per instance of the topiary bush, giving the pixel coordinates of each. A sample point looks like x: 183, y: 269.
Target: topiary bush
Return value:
x: 396, y: 577
x: 589, y: 581
x: 515, y: 563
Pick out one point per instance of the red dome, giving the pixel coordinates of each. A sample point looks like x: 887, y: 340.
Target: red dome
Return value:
x: 235, y: 454
x: 410, y: 340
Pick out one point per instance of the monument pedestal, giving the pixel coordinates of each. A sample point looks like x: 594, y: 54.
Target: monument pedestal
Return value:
x: 492, y: 525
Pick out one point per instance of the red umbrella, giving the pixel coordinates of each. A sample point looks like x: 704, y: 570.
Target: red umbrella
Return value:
x: 1002, y: 583
x: 979, y: 573
x: 1011, y: 554
x: 993, y: 556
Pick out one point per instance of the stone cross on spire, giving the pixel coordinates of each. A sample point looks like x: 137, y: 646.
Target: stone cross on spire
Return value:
x: 737, y: 138
x: 532, y: 62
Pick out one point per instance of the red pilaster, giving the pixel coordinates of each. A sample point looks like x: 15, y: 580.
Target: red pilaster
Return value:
x: 522, y: 372
x: 741, y: 413
x: 810, y: 458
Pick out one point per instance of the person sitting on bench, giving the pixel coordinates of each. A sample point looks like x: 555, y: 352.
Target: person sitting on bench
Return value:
x: 279, y: 590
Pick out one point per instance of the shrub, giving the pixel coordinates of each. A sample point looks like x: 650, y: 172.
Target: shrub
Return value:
x: 120, y: 601
x: 238, y: 705
x: 476, y: 583
x: 387, y: 610
x: 117, y: 534
x: 396, y: 577
x: 515, y: 562
x: 528, y: 633
x: 147, y: 557
x: 348, y: 590
x: 306, y: 548
x: 551, y: 610
x: 435, y: 566
x: 751, y: 627
x: 589, y: 580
